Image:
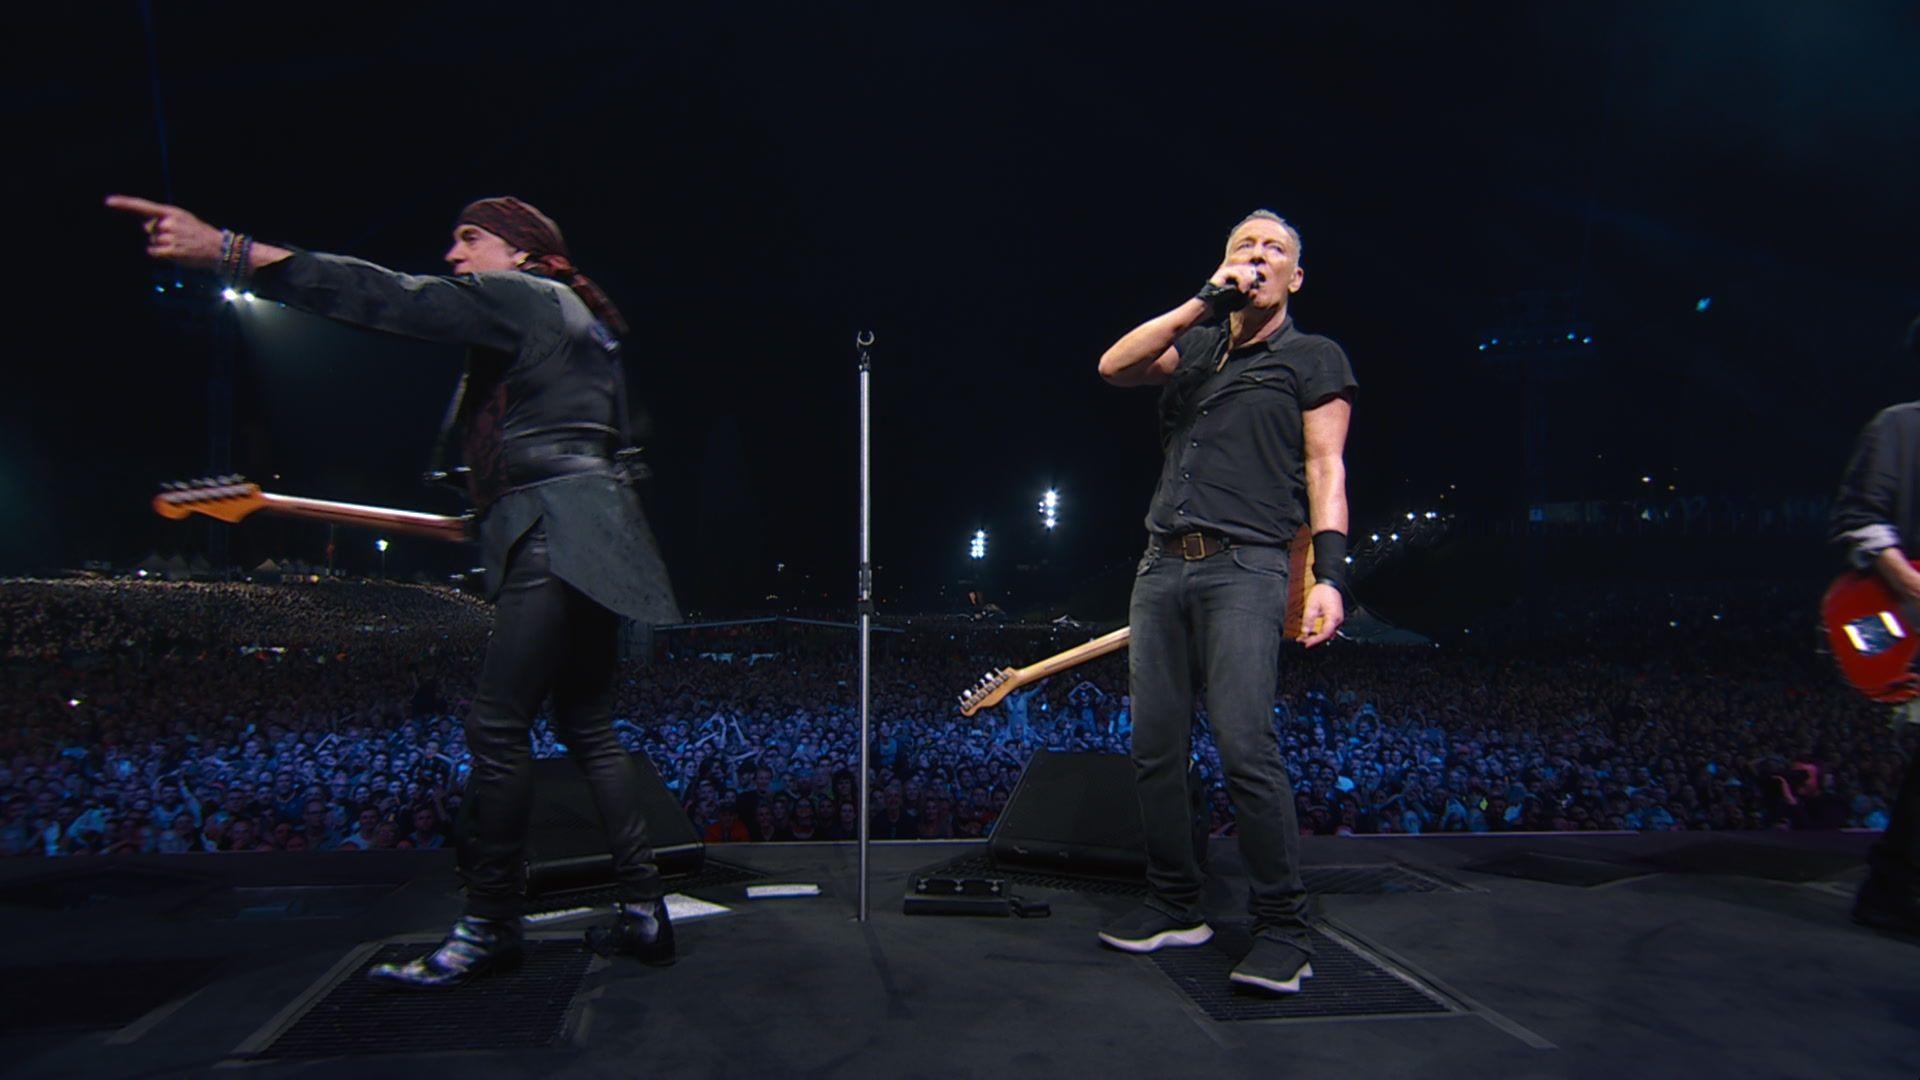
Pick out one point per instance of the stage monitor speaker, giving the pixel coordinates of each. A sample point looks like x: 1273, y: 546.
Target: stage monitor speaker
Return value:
x: 567, y: 844
x: 1076, y: 813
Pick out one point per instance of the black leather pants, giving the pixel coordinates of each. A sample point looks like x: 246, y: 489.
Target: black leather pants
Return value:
x: 547, y: 637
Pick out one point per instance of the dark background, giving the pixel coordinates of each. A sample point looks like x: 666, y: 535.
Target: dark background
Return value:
x: 998, y: 194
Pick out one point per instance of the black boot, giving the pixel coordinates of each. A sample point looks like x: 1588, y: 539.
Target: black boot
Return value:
x: 474, y: 947
x: 1888, y: 908
x: 642, y: 930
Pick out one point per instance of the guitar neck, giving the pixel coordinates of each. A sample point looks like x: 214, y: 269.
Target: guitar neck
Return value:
x: 1074, y: 657
x: 406, y: 522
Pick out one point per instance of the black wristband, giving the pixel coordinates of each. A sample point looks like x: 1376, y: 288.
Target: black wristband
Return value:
x: 1330, y: 560
x: 1221, y: 298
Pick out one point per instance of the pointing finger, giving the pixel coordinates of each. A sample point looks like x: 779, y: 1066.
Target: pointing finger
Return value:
x: 133, y: 205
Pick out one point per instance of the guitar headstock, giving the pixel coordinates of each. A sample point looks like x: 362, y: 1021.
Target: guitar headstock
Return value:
x: 228, y: 498
x: 992, y: 688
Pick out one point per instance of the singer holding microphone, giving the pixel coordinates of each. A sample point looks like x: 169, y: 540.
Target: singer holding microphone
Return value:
x: 1253, y: 426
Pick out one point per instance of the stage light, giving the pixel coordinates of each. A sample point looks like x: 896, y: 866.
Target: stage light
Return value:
x: 1409, y: 515
x: 977, y: 547
x: 1376, y: 538
x: 1395, y: 537
x: 1586, y: 341
x: 1050, y: 508
x: 229, y: 295
x: 380, y: 545
x: 1571, y: 335
x: 248, y: 296
x: 1703, y: 303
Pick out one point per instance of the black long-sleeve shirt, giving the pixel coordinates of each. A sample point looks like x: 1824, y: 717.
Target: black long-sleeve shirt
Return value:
x: 544, y: 388
x: 1878, y: 504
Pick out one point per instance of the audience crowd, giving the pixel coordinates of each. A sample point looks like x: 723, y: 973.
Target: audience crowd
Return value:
x: 168, y: 717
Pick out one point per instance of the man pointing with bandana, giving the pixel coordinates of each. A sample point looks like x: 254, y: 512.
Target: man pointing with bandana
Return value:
x: 541, y: 411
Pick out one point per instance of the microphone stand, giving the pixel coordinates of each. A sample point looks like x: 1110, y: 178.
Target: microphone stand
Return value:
x: 864, y: 341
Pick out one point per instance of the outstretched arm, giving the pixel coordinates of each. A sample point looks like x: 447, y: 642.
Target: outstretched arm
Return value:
x: 486, y: 310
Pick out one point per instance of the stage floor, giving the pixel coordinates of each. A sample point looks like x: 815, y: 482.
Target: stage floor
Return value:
x: 1716, y: 955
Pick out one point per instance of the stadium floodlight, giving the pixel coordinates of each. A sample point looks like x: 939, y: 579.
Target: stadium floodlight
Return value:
x: 1050, y: 509
x: 977, y: 546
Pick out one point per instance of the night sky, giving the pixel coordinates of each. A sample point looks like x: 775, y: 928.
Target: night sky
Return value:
x: 998, y: 194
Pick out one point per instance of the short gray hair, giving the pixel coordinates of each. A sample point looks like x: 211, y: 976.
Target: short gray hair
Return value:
x: 1264, y: 214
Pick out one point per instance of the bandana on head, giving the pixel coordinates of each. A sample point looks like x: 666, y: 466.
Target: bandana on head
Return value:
x: 529, y: 230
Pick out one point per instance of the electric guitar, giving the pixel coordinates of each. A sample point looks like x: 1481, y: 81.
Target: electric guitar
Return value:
x: 232, y: 498
x: 1874, y: 636
x: 994, y: 686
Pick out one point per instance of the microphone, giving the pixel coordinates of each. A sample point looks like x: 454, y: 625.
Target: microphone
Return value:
x: 1223, y: 299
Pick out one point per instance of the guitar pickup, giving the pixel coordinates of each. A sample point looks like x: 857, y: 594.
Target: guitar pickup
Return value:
x: 1875, y: 634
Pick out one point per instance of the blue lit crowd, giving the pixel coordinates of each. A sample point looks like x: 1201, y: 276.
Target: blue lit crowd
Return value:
x: 174, y: 717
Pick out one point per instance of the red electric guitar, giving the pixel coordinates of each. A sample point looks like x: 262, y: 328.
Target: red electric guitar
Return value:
x: 1874, y: 635
x: 231, y: 498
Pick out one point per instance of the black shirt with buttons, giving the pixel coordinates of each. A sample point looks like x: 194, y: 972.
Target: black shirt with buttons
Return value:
x: 1231, y: 430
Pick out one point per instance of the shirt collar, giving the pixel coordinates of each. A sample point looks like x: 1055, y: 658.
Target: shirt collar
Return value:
x: 1273, y: 340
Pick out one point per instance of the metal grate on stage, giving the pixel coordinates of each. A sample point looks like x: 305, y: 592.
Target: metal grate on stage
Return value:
x: 525, y: 1008
x: 1372, y: 879
x: 1346, y: 982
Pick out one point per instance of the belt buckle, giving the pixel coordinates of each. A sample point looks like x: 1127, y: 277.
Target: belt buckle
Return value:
x: 1193, y: 546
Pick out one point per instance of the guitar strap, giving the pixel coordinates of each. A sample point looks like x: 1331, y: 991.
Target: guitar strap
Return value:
x: 443, y: 442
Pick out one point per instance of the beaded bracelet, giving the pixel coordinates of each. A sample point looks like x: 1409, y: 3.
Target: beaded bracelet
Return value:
x: 243, y: 261
x: 236, y: 259
x: 226, y: 257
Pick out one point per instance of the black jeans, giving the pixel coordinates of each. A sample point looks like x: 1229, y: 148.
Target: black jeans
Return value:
x: 1216, y: 623
x: 547, y: 637
x: 1895, y: 857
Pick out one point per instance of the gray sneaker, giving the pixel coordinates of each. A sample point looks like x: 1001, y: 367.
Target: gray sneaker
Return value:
x: 1273, y: 966
x: 1145, y: 929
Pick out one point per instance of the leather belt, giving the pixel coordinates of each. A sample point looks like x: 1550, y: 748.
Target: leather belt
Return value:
x: 1196, y: 545
x: 532, y: 464
x: 571, y: 448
